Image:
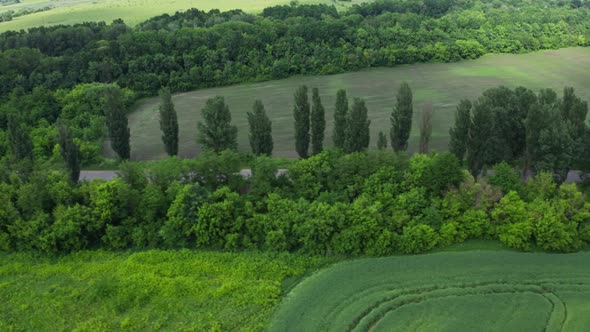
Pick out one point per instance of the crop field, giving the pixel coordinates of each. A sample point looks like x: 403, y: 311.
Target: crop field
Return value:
x: 448, y: 291
x: 145, y: 291
x: 131, y: 11
x: 443, y: 85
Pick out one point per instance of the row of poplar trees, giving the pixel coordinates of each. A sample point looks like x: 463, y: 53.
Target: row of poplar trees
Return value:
x: 351, y: 124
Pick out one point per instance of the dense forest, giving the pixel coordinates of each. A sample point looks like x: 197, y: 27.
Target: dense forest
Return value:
x: 66, y: 87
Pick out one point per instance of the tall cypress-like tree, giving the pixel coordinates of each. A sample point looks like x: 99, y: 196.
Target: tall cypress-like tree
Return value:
x: 216, y: 132
x: 357, y: 129
x: 401, y: 118
x: 168, y: 123
x: 340, y: 115
x: 116, y: 119
x: 459, y: 133
x: 426, y: 127
x: 382, y: 141
x: 69, y: 151
x: 481, y: 132
x: 318, y: 123
x: 260, y: 130
x: 19, y: 139
x: 301, y: 115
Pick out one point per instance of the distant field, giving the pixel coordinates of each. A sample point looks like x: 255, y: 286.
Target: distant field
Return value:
x: 145, y: 291
x: 442, y: 84
x: 452, y: 291
x: 131, y: 11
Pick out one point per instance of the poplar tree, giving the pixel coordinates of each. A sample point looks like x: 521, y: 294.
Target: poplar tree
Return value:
x: 19, y: 139
x: 216, y: 132
x: 357, y: 129
x: 260, y: 130
x: 459, y: 133
x: 426, y: 128
x: 168, y: 123
x: 340, y: 114
x: 382, y: 141
x: 480, y: 138
x: 301, y: 115
x: 116, y: 119
x: 318, y: 123
x: 401, y: 118
x: 69, y: 151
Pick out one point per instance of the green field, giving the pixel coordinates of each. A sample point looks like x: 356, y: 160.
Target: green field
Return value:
x: 442, y: 84
x: 146, y: 291
x: 131, y: 11
x: 449, y: 291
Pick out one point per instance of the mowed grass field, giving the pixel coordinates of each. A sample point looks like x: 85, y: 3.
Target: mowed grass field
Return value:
x: 131, y: 11
x: 145, y: 291
x: 443, y: 85
x: 447, y: 291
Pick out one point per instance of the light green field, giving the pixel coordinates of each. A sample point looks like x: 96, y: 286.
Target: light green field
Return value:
x: 448, y: 291
x: 147, y: 291
x: 131, y: 11
x: 442, y: 84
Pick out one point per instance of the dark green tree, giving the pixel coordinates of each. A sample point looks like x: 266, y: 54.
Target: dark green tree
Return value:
x: 318, y: 123
x: 340, y: 115
x: 481, y: 131
x: 216, y: 132
x: 19, y: 139
x: 116, y: 119
x: 426, y: 127
x: 168, y: 122
x: 69, y: 151
x: 382, y: 141
x: 401, y: 119
x: 260, y: 130
x: 459, y: 133
x: 302, y: 121
x: 357, y: 129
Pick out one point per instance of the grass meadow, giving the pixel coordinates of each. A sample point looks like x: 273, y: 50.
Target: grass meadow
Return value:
x: 131, y: 11
x: 145, y: 291
x: 447, y: 291
x: 442, y: 84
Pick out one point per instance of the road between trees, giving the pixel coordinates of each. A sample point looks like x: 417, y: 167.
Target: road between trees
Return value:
x: 111, y: 174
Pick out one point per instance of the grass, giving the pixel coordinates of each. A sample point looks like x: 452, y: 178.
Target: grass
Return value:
x: 145, y: 291
x: 131, y: 11
x: 442, y: 84
x: 447, y: 291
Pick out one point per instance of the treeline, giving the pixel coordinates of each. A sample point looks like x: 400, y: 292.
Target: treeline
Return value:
x: 538, y: 132
x: 196, y: 49
x: 364, y: 203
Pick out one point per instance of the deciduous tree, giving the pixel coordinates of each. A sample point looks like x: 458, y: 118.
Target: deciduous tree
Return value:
x: 117, y: 123
x: 260, y: 130
x: 168, y: 123
x: 340, y: 115
x: 318, y: 123
x: 216, y: 133
x: 301, y: 115
x: 401, y: 119
x: 357, y: 134
x: 459, y: 133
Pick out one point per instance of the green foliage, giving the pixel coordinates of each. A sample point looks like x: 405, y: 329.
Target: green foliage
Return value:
x: 479, y: 142
x: 318, y: 123
x: 69, y: 152
x: 177, y: 231
x: 340, y: 116
x: 382, y: 141
x: 19, y: 139
x: 357, y: 127
x: 506, y: 178
x: 417, y: 239
x: 168, y: 123
x: 260, y: 130
x: 301, y: 114
x: 401, y: 118
x: 167, y: 290
x: 116, y: 120
x: 215, y: 132
x: 459, y: 133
